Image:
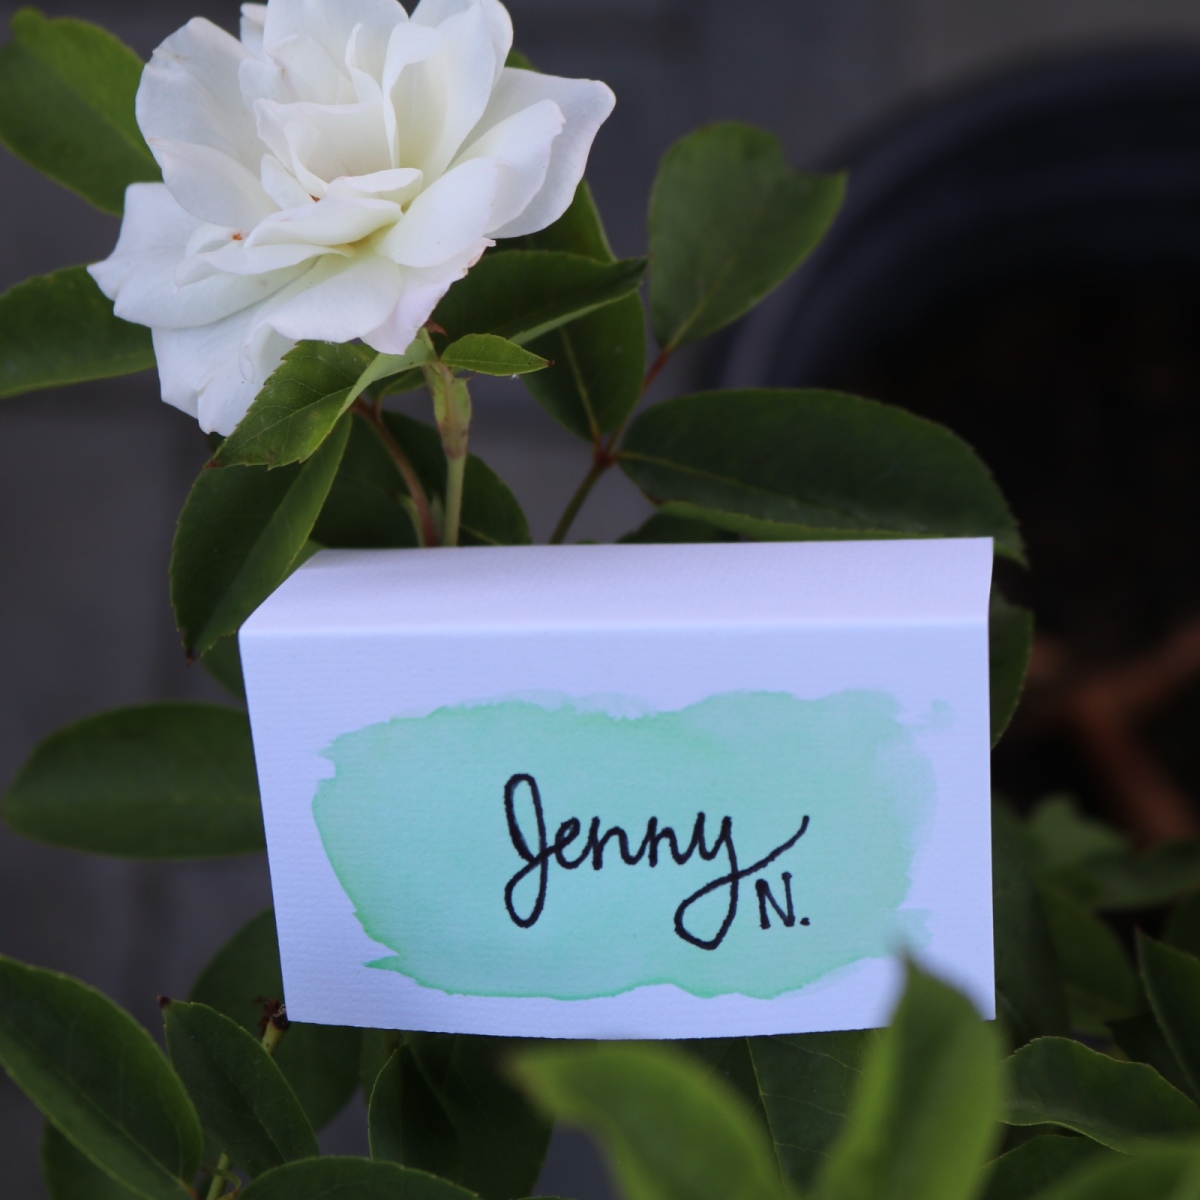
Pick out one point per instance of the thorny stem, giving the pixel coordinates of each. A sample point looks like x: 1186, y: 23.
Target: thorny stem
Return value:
x: 604, y: 456
x: 275, y: 1025
x: 427, y: 529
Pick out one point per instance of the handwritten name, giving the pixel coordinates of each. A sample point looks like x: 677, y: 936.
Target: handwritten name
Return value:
x: 539, y: 852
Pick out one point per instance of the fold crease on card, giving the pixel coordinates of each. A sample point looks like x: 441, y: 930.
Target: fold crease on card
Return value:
x: 626, y: 791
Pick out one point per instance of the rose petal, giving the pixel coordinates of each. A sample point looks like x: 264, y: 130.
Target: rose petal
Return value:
x: 336, y: 300
x: 215, y: 372
x: 421, y: 293
x: 522, y: 144
x: 189, y: 93
x: 329, y: 222
x: 329, y: 23
x: 238, y: 258
x: 447, y: 220
x: 140, y: 274
x: 440, y: 99
x: 254, y: 20
x: 499, y: 23
x: 212, y: 186
x: 585, y: 103
x: 281, y: 185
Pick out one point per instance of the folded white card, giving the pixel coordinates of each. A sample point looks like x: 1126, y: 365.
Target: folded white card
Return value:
x: 626, y: 791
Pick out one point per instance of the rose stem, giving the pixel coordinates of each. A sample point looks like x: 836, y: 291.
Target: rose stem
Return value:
x: 427, y: 530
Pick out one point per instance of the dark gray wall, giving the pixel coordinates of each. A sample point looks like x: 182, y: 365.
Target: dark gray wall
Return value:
x: 91, y: 479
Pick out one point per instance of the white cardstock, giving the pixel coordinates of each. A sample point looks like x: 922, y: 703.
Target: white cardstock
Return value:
x: 626, y: 791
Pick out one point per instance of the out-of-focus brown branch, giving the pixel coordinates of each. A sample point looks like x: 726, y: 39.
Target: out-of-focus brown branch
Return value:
x: 1104, y: 708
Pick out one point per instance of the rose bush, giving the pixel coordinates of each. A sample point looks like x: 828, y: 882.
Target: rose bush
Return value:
x: 329, y: 176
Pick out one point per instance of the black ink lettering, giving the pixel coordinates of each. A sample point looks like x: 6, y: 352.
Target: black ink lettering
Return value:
x: 763, y: 890
x: 538, y: 860
x: 533, y: 862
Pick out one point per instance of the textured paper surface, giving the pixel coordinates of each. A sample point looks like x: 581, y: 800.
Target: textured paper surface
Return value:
x: 626, y: 791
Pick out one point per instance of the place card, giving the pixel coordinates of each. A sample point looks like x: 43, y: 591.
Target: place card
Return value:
x: 626, y: 791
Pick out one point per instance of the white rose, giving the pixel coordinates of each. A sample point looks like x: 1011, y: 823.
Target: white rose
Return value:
x: 330, y: 176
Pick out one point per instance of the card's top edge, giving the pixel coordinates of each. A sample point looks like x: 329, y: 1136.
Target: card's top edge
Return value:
x: 545, y: 588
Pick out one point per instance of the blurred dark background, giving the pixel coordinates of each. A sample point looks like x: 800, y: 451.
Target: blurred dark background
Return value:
x: 1019, y: 258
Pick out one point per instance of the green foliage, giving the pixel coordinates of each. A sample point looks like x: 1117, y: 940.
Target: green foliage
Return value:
x: 349, y: 1179
x: 671, y: 1130
x: 299, y: 406
x: 1172, y: 980
x: 239, y: 536
x: 598, y: 359
x: 319, y: 1062
x: 523, y: 294
x: 442, y: 1104
x: 159, y: 781
x: 66, y: 107
x: 807, y: 465
x: 923, y: 1119
x: 1010, y: 642
x: 488, y: 354
x: 243, y: 1100
x: 1164, y: 1175
x: 1055, y: 1081
x: 70, y: 1175
x: 729, y: 221
x: 1100, y: 981
x: 100, y: 1079
x: 1038, y: 1163
x: 1029, y: 993
x: 60, y: 328
x: 801, y: 1086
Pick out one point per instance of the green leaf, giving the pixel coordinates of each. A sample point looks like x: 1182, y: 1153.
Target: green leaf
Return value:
x: 670, y: 1130
x: 1145, y: 880
x: 599, y: 359
x: 802, y: 1086
x: 923, y: 1120
x: 441, y: 1104
x: 1172, y: 980
x: 1063, y: 840
x: 1010, y: 643
x: 1172, y: 1174
x: 60, y: 328
x: 1039, y: 1163
x: 1054, y: 1081
x: 598, y: 363
x: 320, y: 1062
x: 1100, y: 981
x: 301, y: 403
x: 522, y: 294
x: 160, y: 781
x: 71, y: 1175
x: 349, y: 1179
x: 1182, y: 929
x: 241, y: 1095
x: 99, y: 1077
x: 1029, y: 997
x: 1141, y: 1039
x: 664, y: 529
x: 239, y: 536
x: 729, y: 222
x: 223, y: 661
x: 488, y: 354
x: 66, y: 107
x: 800, y: 465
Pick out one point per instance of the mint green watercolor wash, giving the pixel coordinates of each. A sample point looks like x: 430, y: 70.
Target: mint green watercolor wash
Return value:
x: 415, y: 825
